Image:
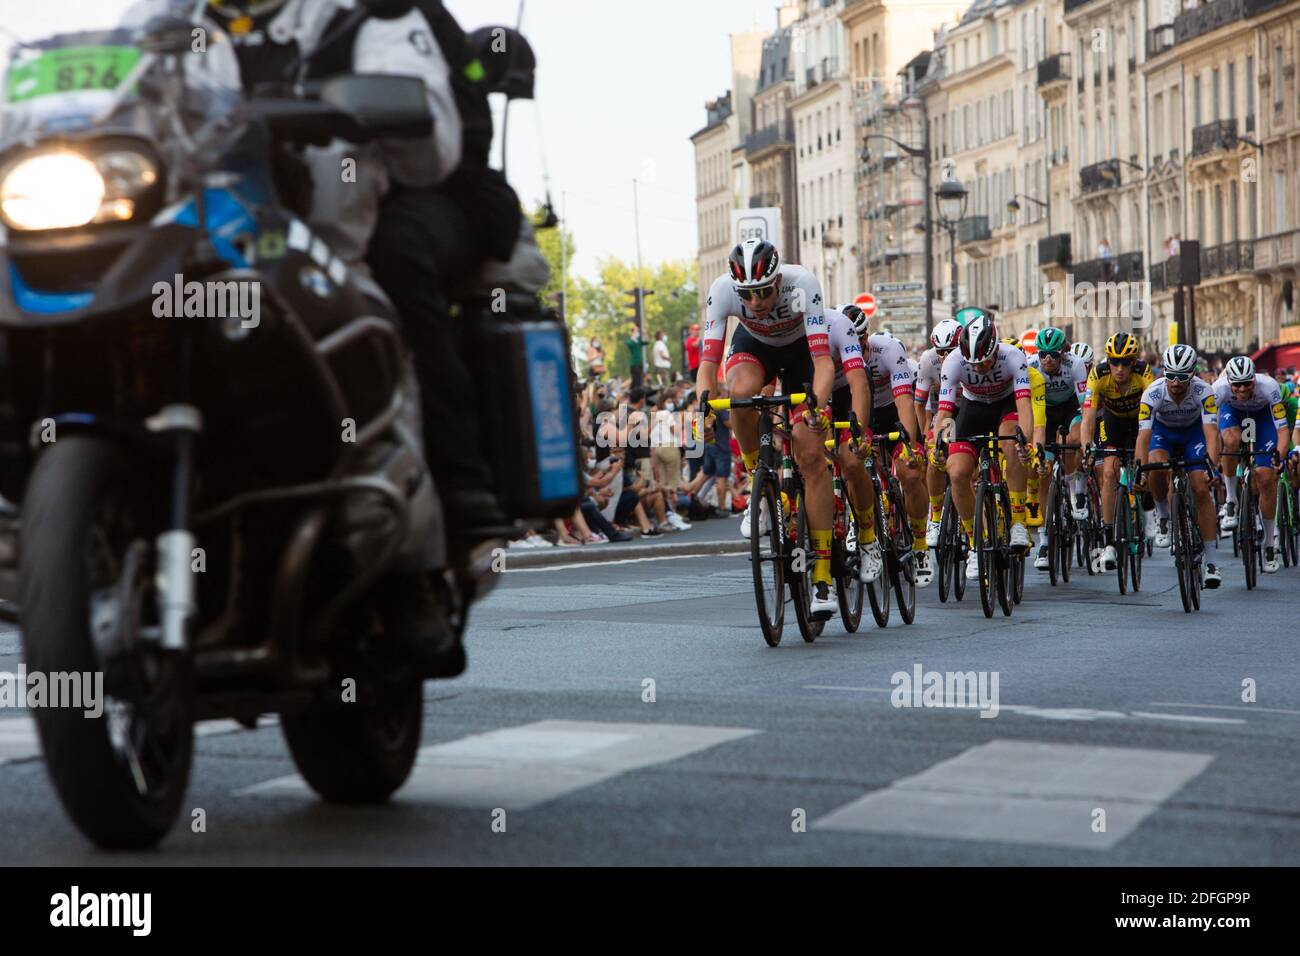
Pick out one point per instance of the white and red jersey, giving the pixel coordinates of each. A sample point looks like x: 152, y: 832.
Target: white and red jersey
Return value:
x: 846, y: 347
x: 888, y: 368
x: 1009, y: 376
x: 927, y: 376
x: 798, y: 313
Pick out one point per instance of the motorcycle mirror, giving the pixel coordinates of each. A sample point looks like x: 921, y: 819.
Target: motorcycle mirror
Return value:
x: 167, y: 34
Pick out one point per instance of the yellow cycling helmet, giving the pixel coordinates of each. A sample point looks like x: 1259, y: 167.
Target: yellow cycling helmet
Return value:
x: 1013, y: 342
x: 1121, y: 345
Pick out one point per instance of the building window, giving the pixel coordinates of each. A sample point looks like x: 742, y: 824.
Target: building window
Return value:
x: 1214, y: 95
x: 1232, y: 91
x: 1277, y: 77
x: 1250, y: 86
x: 1196, y: 100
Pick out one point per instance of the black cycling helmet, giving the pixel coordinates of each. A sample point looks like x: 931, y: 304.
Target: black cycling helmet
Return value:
x: 754, y: 264
x: 979, y: 338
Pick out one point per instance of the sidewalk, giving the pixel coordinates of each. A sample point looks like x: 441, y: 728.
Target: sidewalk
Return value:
x: 715, y: 536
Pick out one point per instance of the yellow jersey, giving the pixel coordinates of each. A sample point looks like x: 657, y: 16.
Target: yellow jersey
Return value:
x: 1119, y: 401
x: 1038, y: 397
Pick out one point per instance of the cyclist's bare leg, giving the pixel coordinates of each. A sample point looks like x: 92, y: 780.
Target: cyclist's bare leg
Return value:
x: 1200, y: 482
x: 1228, y: 461
x: 745, y: 380
x: 1017, y: 472
x: 914, y: 494
x: 1109, y: 484
x: 810, y: 453
x: 1266, y: 490
x: 861, y: 494
x: 1159, y: 479
x: 961, y: 469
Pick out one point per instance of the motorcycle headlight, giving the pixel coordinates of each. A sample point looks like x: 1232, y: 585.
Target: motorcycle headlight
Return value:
x: 64, y: 190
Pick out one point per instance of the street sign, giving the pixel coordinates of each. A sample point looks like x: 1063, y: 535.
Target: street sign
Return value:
x: 902, y: 313
x: 897, y: 301
x: 867, y: 303
x: 880, y: 287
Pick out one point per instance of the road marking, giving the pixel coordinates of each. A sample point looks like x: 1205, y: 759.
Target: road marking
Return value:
x: 520, y: 767
x: 1190, y: 718
x: 587, y: 564
x: 1013, y: 791
x: 19, y: 740
x: 1264, y: 710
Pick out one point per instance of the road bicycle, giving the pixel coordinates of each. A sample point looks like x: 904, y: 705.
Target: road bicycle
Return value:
x: 894, y: 533
x: 1130, y: 537
x: 1062, y: 530
x: 1185, y: 542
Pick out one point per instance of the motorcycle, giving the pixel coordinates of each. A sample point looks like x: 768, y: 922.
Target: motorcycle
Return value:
x: 224, y: 451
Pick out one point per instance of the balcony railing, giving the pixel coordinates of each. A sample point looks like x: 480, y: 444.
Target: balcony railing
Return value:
x: 1191, y: 24
x: 1054, y: 68
x: 777, y: 133
x: 764, y: 200
x: 973, y: 229
x: 1228, y: 259
x: 1212, y: 137
x: 1103, y: 175
x: 1125, y: 267
x: 1075, y: 4
x: 1278, y: 250
x: 1054, y: 250
x: 1156, y: 276
x: 1159, y: 39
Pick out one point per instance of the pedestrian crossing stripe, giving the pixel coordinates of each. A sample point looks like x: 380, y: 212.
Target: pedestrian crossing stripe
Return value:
x: 1016, y: 791
x: 19, y: 739
x: 516, y: 768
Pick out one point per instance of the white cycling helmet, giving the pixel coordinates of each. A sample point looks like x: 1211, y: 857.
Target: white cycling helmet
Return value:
x: 1083, y: 352
x: 1240, y: 369
x: 753, y: 264
x: 1179, y: 359
x: 946, y: 334
x: 861, y: 324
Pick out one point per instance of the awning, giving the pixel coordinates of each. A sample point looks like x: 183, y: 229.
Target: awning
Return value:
x: 1272, y: 357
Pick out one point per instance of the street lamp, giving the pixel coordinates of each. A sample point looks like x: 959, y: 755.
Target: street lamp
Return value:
x: 950, y: 197
x: 926, y: 229
x: 1013, y: 207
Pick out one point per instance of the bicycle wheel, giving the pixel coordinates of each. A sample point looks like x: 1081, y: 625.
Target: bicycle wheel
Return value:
x: 1289, y: 531
x: 878, y: 590
x: 767, y: 556
x: 1246, y: 528
x: 1052, y: 517
x: 1283, y: 522
x: 849, y: 590
x: 1122, y: 515
x: 1137, y: 547
x: 944, y: 552
x: 1069, y: 533
x: 1181, y: 545
x: 901, y: 563
x: 985, y: 544
x: 1005, y: 563
x: 801, y: 574
x: 1198, y: 546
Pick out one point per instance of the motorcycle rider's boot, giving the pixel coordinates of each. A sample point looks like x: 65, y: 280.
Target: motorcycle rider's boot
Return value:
x: 418, y: 620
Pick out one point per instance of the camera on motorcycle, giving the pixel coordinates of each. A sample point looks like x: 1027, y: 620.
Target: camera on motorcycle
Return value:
x: 381, y: 104
x: 387, y: 9
x: 167, y: 33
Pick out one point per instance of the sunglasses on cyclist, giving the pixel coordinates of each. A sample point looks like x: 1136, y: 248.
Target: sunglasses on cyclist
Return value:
x: 1122, y: 361
x: 748, y: 295
x: 1179, y: 376
x: 1048, y: 355
x: 1241, y: 384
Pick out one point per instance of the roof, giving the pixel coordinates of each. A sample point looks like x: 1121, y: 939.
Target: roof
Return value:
x: 983, y: 8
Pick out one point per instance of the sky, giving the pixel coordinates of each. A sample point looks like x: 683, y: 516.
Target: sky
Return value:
x: 621, y: 86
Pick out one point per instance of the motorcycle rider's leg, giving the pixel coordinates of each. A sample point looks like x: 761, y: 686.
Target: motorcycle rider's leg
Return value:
x: 423, y: 236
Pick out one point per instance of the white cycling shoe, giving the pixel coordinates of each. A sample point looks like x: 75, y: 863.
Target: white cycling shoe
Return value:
x: 1079, y: 507
x: 1020, y: 536
x: 823, y: 604
x: 1270, y: 561
x: 1210, y: 577
x: 932, y: 534
x: 1228, y: 517
x: 972, y: 567
x: 1042, y: 563
x: 924, y: 568
x: 1109, y: 559
x: 763, y: 523
x: 871, y: 563
x: 1162, y: 533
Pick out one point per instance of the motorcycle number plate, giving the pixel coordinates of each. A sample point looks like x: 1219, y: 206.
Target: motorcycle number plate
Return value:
x: 69, y: 70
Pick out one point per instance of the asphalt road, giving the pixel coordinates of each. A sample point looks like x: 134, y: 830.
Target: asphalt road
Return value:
x: 1122, y: 713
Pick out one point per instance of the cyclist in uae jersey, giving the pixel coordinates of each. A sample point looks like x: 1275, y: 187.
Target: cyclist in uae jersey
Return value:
x: 1178, y: 417
x: 943, y: 341
x: 782, y: 333
x: 994, y: 381
x: 892, y: 410
x: 1250, y: 408
x: 853, y: 393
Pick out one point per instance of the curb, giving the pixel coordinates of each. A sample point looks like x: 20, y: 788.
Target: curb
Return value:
x: 602, y: 553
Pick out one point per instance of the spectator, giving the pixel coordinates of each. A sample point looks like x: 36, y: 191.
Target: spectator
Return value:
x: 663, y: 359
x: 716, y: 470
x: 693, y: 350
x: 667, y: 446
x: 636, y: 355
x: 1103, y: 249
x: 1175, y: 244
x: 595, y: 360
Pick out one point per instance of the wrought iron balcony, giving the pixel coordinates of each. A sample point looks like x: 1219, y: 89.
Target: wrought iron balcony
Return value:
x: 1159, y: 39
x: 776, y: 134
x: 1053, y: 69
x: 1103, y: 175
x: 1054, y: 251
x: 1191, y: 24
x: 1125, y: 267
x: 1228, y: 259
x: 973, y: 229
x: 1212, y: 137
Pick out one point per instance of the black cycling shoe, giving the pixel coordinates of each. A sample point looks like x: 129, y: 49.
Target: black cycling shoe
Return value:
x: 416, y: 619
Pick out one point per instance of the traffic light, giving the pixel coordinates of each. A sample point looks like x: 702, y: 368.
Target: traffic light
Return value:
x: 636, y: 303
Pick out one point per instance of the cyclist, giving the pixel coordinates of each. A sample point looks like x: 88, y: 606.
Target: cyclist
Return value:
x: 943, y: 340
x: 1177, y: 415
x: 1038, y: 400
x: 893, y: 381
x: 994, y: 380
x: 782, y: 332
x: 852, y: 392
x: 1242, y: 393
x: 1066, y: 380
x: 1083, y: 352
x: 1115, y: 387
